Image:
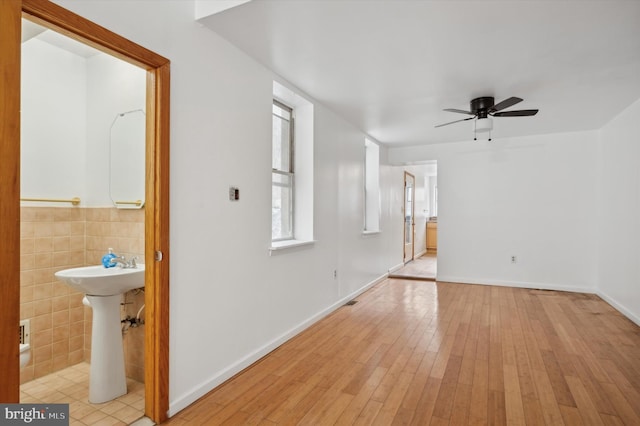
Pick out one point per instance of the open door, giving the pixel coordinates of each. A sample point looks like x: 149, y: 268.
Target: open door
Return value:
x: 409, y: 216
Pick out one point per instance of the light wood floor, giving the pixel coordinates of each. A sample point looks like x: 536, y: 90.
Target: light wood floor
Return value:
x: 422, y: 268
x: 418, y: 352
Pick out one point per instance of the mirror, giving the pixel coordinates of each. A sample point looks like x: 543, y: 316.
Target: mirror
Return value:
x: 127, y: 160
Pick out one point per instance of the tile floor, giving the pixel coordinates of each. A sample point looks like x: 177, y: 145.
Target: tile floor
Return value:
x: 71, y: 386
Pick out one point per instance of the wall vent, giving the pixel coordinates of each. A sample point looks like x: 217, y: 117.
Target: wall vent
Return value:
x: 25, y: 331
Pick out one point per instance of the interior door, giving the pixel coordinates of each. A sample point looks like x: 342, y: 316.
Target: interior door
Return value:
x: 409, y: 213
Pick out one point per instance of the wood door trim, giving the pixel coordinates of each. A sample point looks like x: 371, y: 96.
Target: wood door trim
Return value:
x: 10, y: 39
x: 75, y: 26
x: 53, y: 16
x: 157, y: 240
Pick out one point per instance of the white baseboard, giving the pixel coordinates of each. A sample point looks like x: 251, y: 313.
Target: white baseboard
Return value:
x: 219, y: 378
x: 546, y: 286
x: 190, y: 397
x: 620, y: 307
x: 395, y: 268
x: 417, y: 255
x: 519, y: 284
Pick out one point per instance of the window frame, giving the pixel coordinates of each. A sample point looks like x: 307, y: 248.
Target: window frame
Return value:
x: 290, y: 172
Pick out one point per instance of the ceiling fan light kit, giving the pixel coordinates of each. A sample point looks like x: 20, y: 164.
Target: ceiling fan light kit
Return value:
x: 484, y: 125
x: 484, y: 108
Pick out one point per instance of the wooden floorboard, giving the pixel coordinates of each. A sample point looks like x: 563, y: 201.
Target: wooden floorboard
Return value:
x: 420, y: 268
x: 429, y: 353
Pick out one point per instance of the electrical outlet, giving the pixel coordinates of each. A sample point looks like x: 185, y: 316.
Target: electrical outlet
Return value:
x: 335, y: 274
x: 25, y: 331
x: 514, y: 259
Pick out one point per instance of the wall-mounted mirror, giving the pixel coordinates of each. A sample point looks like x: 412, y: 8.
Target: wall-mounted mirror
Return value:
x: 127, y: 160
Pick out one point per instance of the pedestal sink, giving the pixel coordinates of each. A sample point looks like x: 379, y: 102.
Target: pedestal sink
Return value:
x: 103, y: 288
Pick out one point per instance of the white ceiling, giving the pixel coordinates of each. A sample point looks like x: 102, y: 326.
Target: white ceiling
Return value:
x: 31, y: 30
x: 391, y: 66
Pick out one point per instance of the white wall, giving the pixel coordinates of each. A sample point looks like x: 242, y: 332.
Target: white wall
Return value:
x: 531, y: 197
x: 230, y: 301
x: 68, y: 105
x: 372, y: 186
x: 53, y: 116
x: 113, y: 86
x: 618, y: 210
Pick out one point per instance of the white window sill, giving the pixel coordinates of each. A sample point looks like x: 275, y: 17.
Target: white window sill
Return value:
x: 367, y: 233
x: 283, y: 246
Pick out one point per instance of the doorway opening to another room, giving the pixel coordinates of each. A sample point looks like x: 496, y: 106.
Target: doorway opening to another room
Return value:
x: 420, y: 223
x: 156, y: 199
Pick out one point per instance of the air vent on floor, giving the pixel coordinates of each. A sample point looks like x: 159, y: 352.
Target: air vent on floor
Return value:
x: 351, y: 303
x: 25, y: 331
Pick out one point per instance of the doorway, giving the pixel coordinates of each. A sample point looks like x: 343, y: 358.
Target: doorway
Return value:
x: 156, y: 247
x: 409, y: 217
x: 421, y: 205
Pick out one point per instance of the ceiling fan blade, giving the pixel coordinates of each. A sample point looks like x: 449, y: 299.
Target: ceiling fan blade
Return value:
x: 461, y: 111
x: 519, y: 113
x: 505, y: 104
x: 457, y: 121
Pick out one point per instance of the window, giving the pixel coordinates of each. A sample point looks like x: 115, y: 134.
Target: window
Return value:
x: 282, y: 173
x: 435, y: 200
x: 371, y: 187
x: 291, y: 170
x: 432, y: 187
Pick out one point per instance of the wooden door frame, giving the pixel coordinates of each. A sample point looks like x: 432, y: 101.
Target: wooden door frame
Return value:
x: 413, y: 218
x: 64, y: 21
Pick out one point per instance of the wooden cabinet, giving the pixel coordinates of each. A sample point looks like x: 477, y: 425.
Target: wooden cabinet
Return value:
x: 432, y: 237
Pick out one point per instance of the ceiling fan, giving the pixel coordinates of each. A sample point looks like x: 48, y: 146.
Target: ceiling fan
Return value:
x: 484, y: 107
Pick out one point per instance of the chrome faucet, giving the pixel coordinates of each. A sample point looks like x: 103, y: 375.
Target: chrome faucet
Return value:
x: 122, y: 262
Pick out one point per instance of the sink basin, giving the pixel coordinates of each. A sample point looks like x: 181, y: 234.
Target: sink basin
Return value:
x: 100, y: 281
x: 103, y: 288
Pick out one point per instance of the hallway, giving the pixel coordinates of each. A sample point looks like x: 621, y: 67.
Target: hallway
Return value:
x: 415, y: 352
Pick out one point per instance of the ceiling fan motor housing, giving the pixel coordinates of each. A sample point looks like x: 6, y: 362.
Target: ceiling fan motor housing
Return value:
x: 481, y: 106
